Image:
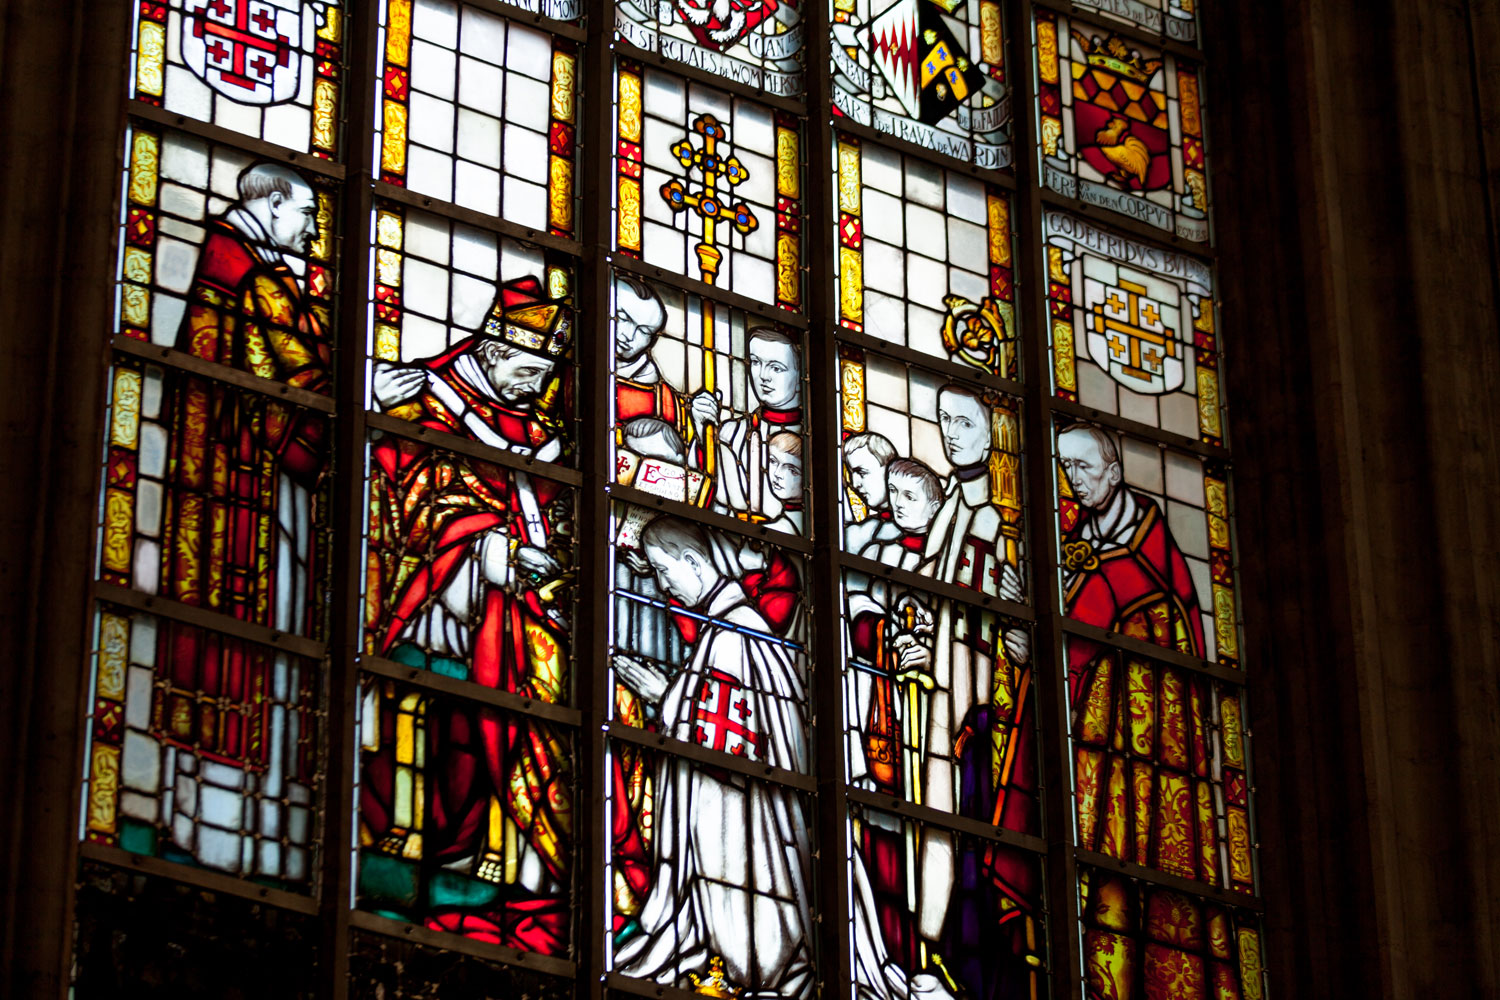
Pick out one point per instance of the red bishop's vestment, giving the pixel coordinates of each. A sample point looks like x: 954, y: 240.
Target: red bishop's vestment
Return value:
x: 242, y: 479
x: 1135, y: 582
x: 228, y: 446
x: 436, y: 509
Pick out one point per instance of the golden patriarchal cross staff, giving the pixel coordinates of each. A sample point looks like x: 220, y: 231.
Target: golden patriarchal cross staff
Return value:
x: 708, y: 161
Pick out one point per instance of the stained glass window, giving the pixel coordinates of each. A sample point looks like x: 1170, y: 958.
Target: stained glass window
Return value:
x: 267, y: 70
x: 939, y: 704
x: 1133, y: 329
x: 708, y: 185
x: 938, y: 912
x: 1122, y: 125
x: 227, y: 257
x: 1151, y: 941
x: 473, y: 335
x: 1159, y: 766
x: 925, y: 257
x: 516, y: 548
x: 710, y: 637
x: 480, y: 111
x: 932, y: 480
x: 758, y: 45
x: 708, y: 405
x: 710, y: 872
x: 470, y: 567
x: 1175, y: 19
x: 203, y: 748
x: 928, y: 73
x: 214, y: 497
x: 1146, y: 542
x: 466, y: 819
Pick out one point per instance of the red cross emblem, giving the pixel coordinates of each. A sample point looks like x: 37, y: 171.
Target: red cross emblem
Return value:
x: 242, y: 47
x: 722, y: 717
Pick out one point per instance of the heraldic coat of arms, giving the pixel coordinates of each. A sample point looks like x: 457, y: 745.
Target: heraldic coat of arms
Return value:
x: 251, y: 51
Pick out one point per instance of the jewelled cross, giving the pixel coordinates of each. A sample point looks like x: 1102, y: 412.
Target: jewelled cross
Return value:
x: 707, y: 202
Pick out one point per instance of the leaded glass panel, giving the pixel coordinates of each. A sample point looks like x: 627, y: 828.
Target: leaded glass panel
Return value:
x: 473, y: 334
x: 1146, y: 547
x: 756, y: 44
x: 203, y: 749
x: 710, y: 637
x: 470, y: 569
x: 708, y: 185
x: 478, y: 110
x: 1132, y: 329
x: 939, y: 704
x: 1175, y: 19
x: 711, y: 877
x: 937, y: 912
x: 1121, y: 126
x: 227, y: 257
x: 929, y: 73
x: 216, y: 497
x: 466, y: 818
x: 268, y: 70
x: 708, y: 405
x: 1159, y: 766
x: 925, y: 258
x: 932, y: 475
x: 1142, y: 940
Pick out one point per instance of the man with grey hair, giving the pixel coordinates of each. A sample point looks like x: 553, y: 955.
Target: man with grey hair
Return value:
x: 238, y: 532
x: 1122, y: 569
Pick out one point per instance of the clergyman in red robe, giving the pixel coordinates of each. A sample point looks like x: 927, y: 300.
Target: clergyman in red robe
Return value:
x: 243, y: 478
x: 470, y: 569
x: 1122, y: 570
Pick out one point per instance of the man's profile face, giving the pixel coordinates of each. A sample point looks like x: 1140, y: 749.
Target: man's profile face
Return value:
x: 682, y: 576
x: 867, y: 476
x: 637, y: 322
x: 774, y: 373
x: 911, y: 508
x: 965, y: 425
x: 294, y: 218
x: 515, y: 376
x: 1093, y: 480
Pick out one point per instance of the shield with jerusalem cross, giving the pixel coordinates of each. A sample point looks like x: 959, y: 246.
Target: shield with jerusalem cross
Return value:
x: 1132, y: 326
x: 251, y: 51
x: 721, y: 719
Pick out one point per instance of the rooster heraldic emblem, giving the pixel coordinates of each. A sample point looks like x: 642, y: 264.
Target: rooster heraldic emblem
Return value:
x: 1119, y: 100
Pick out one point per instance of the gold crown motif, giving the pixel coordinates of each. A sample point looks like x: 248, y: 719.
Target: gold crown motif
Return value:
x: 1114, y: 55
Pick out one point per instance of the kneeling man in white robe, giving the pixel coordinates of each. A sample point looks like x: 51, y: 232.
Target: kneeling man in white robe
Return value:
x: 729, y: 874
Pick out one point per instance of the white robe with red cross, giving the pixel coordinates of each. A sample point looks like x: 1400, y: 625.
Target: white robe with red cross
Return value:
x: 730, y: 874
